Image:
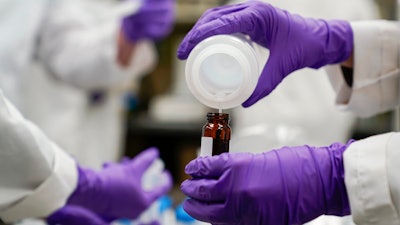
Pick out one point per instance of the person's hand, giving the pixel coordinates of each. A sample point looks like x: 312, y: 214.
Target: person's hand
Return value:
x: 154, y: 20
x: 291, y: 185
x: 116, y: 191
x: 294, y: 42
x: 73, y: 215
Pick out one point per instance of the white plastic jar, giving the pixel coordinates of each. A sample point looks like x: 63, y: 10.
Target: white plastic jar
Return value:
x: 222, y: 71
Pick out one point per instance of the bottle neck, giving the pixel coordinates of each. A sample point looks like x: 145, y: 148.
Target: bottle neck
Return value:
x: 218, y: 117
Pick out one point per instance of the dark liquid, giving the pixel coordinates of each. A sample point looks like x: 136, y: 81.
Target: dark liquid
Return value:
x: 220, y: 146
x: 217, y: 128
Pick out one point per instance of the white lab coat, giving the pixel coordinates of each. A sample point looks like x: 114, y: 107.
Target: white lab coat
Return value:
x: 76, y: 56
x: 36, y: 175
x: 372, y: 165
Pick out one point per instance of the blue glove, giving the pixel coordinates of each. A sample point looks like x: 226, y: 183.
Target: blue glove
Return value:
x: 154, y: 20
x: 74, y: 215
x: 291, y: 185
x: 294, y: 42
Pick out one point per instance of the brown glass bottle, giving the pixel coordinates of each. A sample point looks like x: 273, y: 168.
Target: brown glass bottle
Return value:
x: 216, y: 134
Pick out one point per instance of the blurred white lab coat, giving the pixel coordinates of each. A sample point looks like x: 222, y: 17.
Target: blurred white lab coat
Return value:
x: 300, y: 111
x: 76, y: 59
x: 37, y: 176
x: 372, y: 165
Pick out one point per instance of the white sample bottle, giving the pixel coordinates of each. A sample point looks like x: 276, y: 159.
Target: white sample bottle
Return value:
x: 167, y: 213
x: 152, y: 178
x: 222, y: 70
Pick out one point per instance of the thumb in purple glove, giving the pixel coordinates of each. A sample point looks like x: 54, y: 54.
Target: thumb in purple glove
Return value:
x: 294, y: 42
x: 73, y: 215
x: 116, y: 190
x: 154, y: 20
x: 291, y: 185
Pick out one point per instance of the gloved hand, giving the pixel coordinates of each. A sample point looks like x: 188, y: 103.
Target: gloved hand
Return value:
x: 154, y: 20
x: 73, y: 215
x: 116, y: 191
x: 291, y: 185
x: 151, y: 223
x: 294, y: 42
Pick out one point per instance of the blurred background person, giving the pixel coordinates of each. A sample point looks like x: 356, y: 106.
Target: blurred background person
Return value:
x: 88, y: 55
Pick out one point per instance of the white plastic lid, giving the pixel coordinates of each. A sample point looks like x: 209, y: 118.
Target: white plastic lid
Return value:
x: 222, y: 71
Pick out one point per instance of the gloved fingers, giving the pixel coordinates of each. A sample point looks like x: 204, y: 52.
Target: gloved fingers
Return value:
x: 206, y: 212
x: 226, y: 24
x: 124, y: 160
x: 154, y: 2
x: 162, y: 189
x: 108, y: 164
x: 205, y: 190
x: 143, y: 160
x: 72, y: 215
x: 214, y: 13
x: 195, y: 36
x: 207, y: 167
x: 269, y: 79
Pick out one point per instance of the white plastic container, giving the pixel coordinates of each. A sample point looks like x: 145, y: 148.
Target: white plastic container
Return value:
x: 222, y: 71
x: 152, y: 178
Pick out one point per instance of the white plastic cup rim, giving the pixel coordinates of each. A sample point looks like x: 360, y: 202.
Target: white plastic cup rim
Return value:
x: 244, y: 55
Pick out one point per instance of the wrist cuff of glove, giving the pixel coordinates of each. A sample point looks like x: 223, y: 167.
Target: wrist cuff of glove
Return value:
x: 338, y: 44
x: 338, y: 202
x: 85, y: 188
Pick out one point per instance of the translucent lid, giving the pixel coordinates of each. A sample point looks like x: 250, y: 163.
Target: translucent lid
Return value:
x: 222, y: 71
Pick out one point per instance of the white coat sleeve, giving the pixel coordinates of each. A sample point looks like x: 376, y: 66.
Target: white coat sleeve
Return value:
x: 376, y: 69
x: 372, y: 179
x: 36, y: 176
x: 78, y: 44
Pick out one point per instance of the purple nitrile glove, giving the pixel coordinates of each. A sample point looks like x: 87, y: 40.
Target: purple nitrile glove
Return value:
x: 151, y: 223
x: 291, y: 185
x: 294, y: 42
x: 154, y: 20
x: 116, y: 191
x: 73, y: 215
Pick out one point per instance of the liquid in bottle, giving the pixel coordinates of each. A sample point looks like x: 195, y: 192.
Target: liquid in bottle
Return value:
x: 216, y: 134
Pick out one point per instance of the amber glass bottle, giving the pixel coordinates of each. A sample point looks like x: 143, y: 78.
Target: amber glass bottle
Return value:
x: 216, y: 134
